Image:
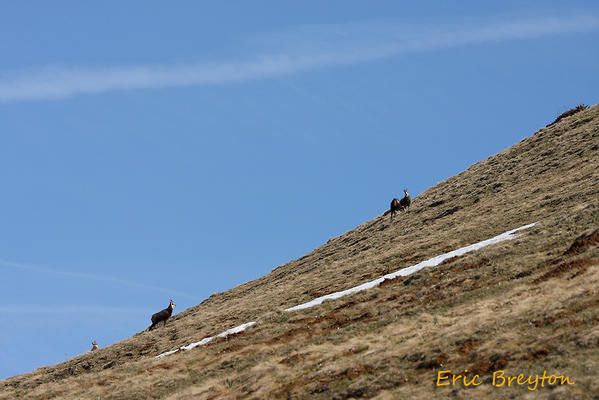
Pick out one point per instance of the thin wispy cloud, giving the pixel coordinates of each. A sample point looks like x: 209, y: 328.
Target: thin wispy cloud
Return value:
x: 94, y: 277
x: 307, y: 49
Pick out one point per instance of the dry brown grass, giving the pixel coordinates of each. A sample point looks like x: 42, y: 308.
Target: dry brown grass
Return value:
x: 527, y: 305
x: 569, y: 113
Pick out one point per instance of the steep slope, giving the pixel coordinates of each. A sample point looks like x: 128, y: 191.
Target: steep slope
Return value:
x: 527, y: 305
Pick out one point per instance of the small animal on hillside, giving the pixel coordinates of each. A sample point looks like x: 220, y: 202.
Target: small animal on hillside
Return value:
x: 400, y: 205
x: 162, y: 315
x: 95, y: 346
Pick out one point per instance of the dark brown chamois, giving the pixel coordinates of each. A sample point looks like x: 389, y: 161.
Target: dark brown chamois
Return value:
x: 162, y: 315
x: 400, y: 205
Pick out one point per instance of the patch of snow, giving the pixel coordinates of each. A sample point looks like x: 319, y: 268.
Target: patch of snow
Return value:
x: 168, y: 353
x: 509, y: 235
x: 207, y: 340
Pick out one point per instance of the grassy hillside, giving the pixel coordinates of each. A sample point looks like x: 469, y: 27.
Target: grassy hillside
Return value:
x: 525, y: 305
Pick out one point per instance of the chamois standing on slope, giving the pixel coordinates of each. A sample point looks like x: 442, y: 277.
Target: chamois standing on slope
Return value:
x: 400, y: 205
x: 162, y: 315
x: 95, y: 346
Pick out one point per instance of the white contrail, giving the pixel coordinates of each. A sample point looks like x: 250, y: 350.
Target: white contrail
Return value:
x: 80, y: 275
x: 326, y: 48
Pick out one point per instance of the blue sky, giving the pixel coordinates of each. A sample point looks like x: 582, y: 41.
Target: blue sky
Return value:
x: 150, y: 151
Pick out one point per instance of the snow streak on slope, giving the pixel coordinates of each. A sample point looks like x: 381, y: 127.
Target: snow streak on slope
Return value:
x: 204, y: 341
x: 414, y: 268
x: 509, y: 235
